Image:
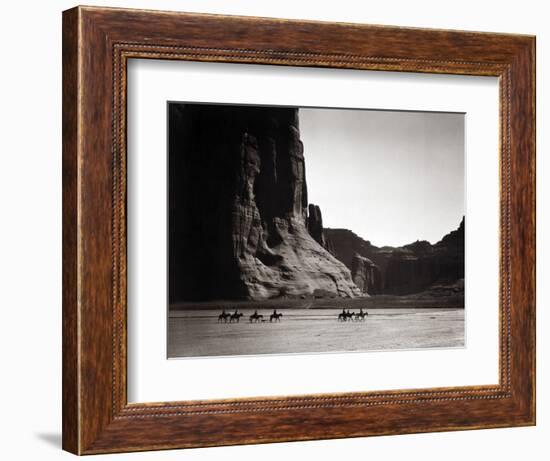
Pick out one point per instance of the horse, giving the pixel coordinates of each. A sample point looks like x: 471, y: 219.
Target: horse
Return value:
x: 255, y: 317
x: 235, y: 317
x: 345, y: 315
x: 275, y: 316
x: 224, y: 316
x: 361, y: 315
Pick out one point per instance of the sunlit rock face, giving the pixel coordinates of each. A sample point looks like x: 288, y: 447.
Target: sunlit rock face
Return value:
x: 366, y: 275
x: 239, y: 208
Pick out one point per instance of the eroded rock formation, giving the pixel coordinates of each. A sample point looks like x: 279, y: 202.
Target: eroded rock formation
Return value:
x: 239, y: 211
x: 408, y: 269
x: 366, y: 274
x: 315, y: 225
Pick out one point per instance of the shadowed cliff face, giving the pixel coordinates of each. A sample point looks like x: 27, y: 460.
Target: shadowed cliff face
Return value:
x: 366, y: 275
x: 239, y: 210
x: 405, y: 270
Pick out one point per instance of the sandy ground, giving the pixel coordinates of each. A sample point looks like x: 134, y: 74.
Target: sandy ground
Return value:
x: 195, y: 333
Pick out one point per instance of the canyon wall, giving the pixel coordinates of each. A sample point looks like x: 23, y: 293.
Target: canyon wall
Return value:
x: 238, y: 208
x: 403, y: 270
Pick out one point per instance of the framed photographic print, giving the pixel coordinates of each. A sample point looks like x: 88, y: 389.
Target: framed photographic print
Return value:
x: 284, y: 230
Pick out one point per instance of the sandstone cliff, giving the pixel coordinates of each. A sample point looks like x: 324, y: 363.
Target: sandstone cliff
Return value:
x: 239, y: 221
x: 315, y: 225
x: 408, y: 269
x: 366, y: 274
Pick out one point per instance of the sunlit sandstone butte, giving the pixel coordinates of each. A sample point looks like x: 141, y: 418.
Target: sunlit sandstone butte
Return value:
x: 239, y: 213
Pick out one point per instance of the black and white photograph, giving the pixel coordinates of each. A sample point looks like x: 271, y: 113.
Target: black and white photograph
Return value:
x: 275, y: 230
x: 314, y: 230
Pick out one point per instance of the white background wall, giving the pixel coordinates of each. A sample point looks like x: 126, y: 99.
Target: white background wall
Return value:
x: 30, y: 234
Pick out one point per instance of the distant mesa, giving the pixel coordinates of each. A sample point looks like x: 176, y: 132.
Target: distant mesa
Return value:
x: 409, y: 269
x: 241, y: 227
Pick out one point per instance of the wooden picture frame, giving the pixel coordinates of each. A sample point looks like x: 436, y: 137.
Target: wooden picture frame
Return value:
x: 97, y: 43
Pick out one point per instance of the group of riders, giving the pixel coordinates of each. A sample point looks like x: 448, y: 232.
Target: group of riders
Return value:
x: 346, y: 315
x: 343, y: 316
x: 254, y: 318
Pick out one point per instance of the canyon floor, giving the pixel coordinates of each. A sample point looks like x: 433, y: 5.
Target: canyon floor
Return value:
x: 312, y: 326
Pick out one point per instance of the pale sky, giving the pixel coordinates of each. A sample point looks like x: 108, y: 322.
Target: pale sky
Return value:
x: 390, y: 177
